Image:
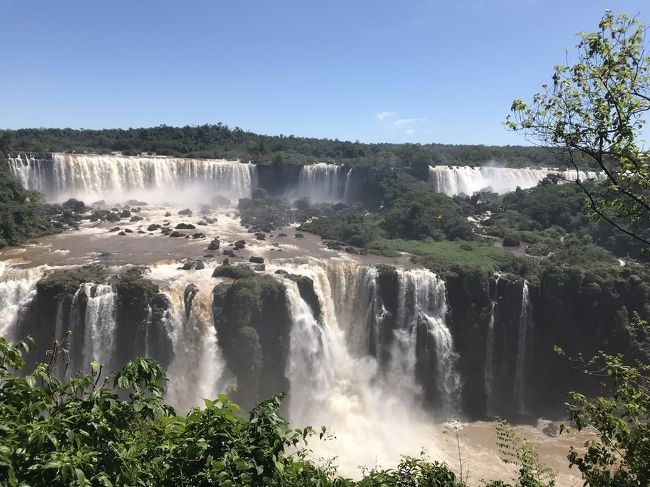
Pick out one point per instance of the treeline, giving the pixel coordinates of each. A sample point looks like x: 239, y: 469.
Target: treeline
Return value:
x: 220, y: 141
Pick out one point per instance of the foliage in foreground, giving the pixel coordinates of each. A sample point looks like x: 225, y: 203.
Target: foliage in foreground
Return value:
x: 620, y: 453
x: 79, y: 432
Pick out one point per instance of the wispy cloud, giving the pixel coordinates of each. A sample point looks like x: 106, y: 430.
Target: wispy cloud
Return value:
x: 395, y: 122
x: 407, y: 122
x: 385, y: 115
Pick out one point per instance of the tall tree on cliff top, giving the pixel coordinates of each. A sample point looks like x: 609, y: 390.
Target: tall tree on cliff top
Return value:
x: 593, y: 112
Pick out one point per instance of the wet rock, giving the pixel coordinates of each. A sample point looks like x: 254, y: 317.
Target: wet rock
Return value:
x: 188, y: 297
x: 333, y: 245
x: 114, y: 229
x: 282, y: 272
x: 198, y: 235
x: 240, y: 244
x: 141, y: 231
x: 299, y: 235
x: 282, y: 234
x: 229, y: 253
x: 185, y: 226
x: 214, y: 245
x: 153, y: 227
x: 128, y: 230
x: 551, y: 430
x: 166, y: 231
x: 201, y: 222
x: 125, y: 214
x: 256, y: 260
x: 260, y: 236
x: 176, y: 234
x: 185, y: 212
x: 192, y: 263
x: 219, y: 201
x: 211, y: 220
x: 168, y: 214
x: 122, y: 233
x: 74, y: 205
x: 136, y: 203
x: 136, y: 218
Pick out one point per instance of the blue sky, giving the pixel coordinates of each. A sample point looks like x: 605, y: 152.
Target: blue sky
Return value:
x: 368, y: 70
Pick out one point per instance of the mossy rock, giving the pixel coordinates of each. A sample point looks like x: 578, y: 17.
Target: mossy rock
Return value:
x: 67, y: 281
x: 233, y: 271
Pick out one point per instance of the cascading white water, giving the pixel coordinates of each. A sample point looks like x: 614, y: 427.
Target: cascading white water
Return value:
x: 522, y: 345
x: 17, y: 288
x: 422, y: 299
x: 453, y: 180
x: 117, y: 178
x: 335, y: 381
x: 322, y: 183
x: 488, y: 372
x: 196, y: 370
x: 100, y: 325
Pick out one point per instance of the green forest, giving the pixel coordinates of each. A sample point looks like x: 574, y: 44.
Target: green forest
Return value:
x: 220, y: 141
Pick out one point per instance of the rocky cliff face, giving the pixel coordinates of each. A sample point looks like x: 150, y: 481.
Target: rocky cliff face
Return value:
x: 124, y: 311
x: 501, y: 370
x: 569, y: 308
x: 253, y: 325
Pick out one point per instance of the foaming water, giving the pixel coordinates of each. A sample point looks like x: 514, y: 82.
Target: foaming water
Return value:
x: 17, y: 287
x: 117, y: 178
x: 453, y: 180
x: 376, y: 412
x: 197, y: 367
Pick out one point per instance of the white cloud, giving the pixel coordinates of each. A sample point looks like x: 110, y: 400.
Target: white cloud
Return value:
x: 385, y: 115
x: 404, y: 122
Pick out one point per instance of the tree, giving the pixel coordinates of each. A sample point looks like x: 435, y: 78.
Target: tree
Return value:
x: 593, y: 113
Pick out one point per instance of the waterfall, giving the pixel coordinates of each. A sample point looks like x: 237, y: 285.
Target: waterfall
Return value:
x: 197, y: 367
x: 17, y: 288
x: 322, y: 183
x: 522, y: 345
x: 99, y: 321
x: 118, y: 178
x: 326, y: 353
x: 452, y: 180
x: 488, y: 373
x: 423, y: 302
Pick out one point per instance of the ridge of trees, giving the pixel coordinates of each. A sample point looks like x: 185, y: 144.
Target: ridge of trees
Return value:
x: 221, y: 141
